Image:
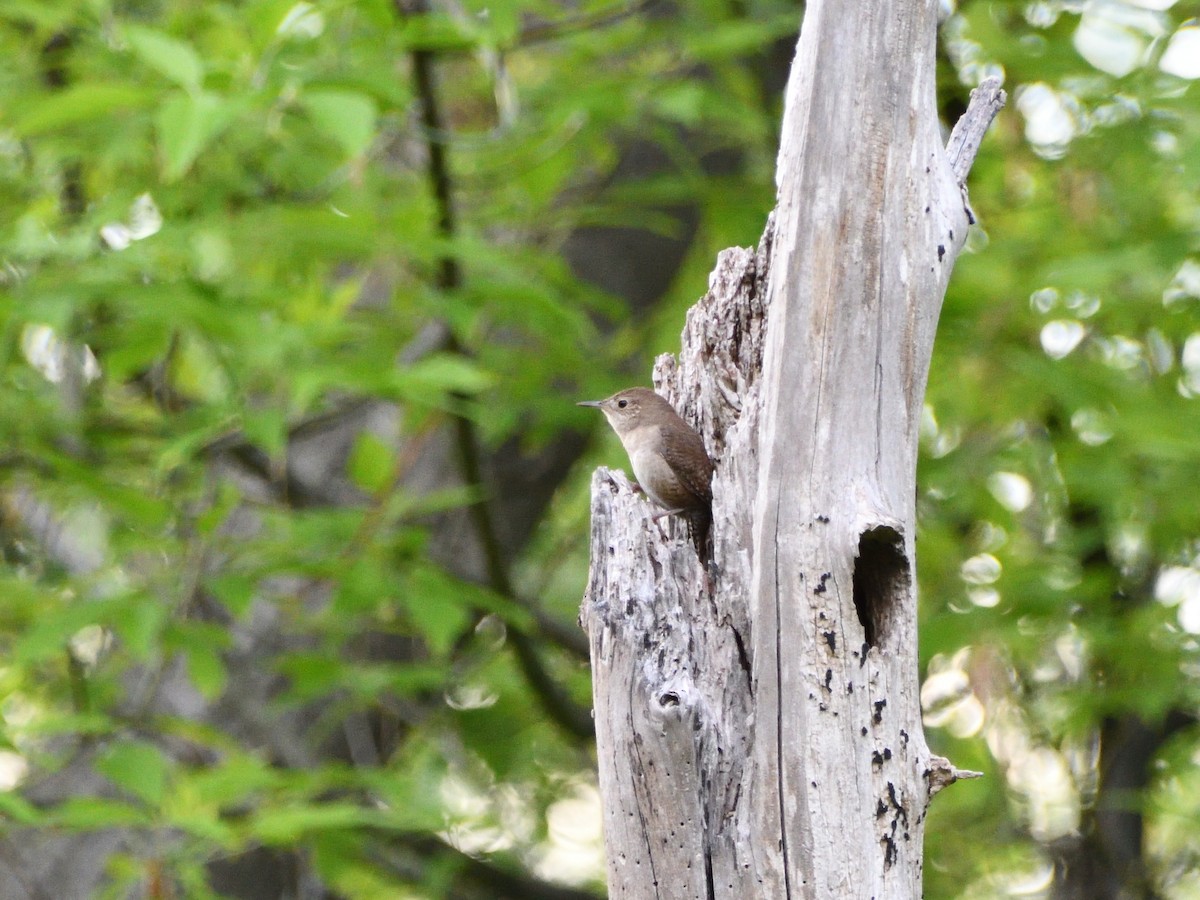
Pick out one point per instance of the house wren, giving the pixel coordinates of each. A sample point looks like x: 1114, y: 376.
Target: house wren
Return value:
x: 667, y: 454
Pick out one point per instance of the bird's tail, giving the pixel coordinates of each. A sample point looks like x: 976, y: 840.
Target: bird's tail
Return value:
x: 699, y: 522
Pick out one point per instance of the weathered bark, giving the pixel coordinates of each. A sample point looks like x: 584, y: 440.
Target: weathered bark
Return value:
x: 758, y: 724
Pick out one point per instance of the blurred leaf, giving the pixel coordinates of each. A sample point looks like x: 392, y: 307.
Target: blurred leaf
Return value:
x: 283, y: 825
x: 197, y: 371
x: 186, y: 124
x: 371, y: 462
x: 169, y: 55
x: 446, y: 373
x: 206, y: 669
x: 266, y: 429
x: 683, y: 103
x: 76, y: 104
x: 235, y: 591
x: 15, y: 808
x: 438, y: 607
x: 347, y: 117
x: 434, y: 32
x: 87, y: 813
x: 138, y: 625
x: 48, y: 636
x: 136, y: 767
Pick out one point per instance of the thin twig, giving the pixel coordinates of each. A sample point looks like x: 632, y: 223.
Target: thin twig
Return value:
x: 556, y: 702
x: 601, y: 18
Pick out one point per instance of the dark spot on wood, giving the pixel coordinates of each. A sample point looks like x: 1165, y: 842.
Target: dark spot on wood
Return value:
x: 864, y: 731
x: 831, y: 640
x: 850, y: 687
x: 823, y: 519
x: 880, y: 809
x: 899, y: 807
x: 887, y: 753
x: 877, y: 759
x: 879, y: 705
x: 820, y: 588
x: 941, y: 252
x: 743, y: 656
x: 829, y: 680
x: 904, y: 736
x: 951, y: 234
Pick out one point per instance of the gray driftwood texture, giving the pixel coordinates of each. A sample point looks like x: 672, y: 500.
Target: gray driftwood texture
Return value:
x: 758, y: 725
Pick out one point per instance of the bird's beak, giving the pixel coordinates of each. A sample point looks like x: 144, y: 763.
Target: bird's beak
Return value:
x: 595, y: 403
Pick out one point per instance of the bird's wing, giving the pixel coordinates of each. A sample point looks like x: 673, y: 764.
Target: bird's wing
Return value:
x: 679, y: 443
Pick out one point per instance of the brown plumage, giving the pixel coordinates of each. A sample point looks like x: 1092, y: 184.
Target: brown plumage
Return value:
x: 667, y: 455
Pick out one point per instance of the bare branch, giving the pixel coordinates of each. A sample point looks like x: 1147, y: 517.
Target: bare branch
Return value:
x: 942, y: 773
x: 986, y: 101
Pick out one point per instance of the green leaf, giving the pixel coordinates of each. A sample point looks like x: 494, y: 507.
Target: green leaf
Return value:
x: 48, y: 635
x: 267, y: 429
x: 683, y: 103
x: 371, y: 462
x: 76, y: 104
x: 96, y: 812
x: 435, y: 32
x: 15, y: 808
x: 363, y: 585
x: 234, y: 780
x: 137, y: 767
x: 286, y: 825
x: 168, y: 55
x: 439, y: 607
x: 346, y: 116
x: 206, y: 827
x: 49, y: 17
x: 198, y: 371
x: 138, y: 625
x: 311, y: 674
x: 186, y: 124
x: 207, y: 670
x: 446, y: 373
x: 235, y: 591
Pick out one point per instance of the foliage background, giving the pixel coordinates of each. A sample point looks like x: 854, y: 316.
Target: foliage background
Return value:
x: 295, y: 302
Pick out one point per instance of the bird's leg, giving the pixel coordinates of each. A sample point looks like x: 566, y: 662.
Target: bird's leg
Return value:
x: 663, y: 513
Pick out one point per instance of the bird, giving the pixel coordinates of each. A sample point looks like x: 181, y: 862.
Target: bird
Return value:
x: 667, y: 454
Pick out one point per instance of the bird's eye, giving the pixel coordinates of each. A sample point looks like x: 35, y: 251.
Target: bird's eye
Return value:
x: 622, y: 403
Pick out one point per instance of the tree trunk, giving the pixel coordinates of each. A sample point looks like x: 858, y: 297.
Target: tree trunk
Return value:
x: 758, y: 722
